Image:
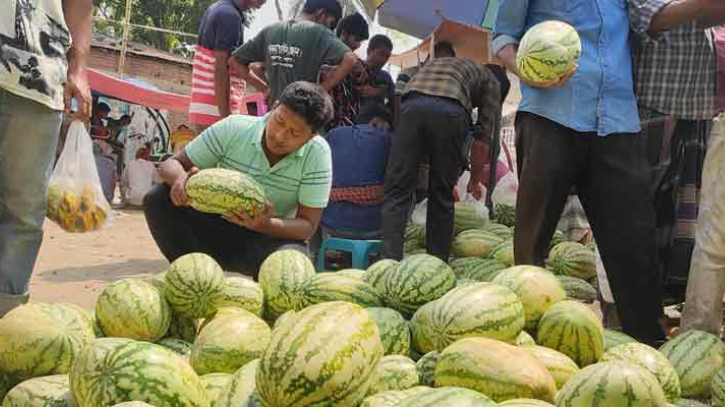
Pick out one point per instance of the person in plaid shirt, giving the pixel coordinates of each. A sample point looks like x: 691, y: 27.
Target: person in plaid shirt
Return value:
x: 675, y: 79
x: 435, y: 120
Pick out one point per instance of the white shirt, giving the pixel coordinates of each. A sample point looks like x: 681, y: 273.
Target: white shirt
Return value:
x: 138, y: 178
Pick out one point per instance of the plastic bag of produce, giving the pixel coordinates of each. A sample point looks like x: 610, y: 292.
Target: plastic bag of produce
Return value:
x: 504, y: 193
x: 75, y: 197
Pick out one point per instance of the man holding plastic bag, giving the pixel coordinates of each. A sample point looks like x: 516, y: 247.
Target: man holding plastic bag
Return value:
x: 42, y: 68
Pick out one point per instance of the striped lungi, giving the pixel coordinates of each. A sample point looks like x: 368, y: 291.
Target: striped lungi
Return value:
x: 203, y: 108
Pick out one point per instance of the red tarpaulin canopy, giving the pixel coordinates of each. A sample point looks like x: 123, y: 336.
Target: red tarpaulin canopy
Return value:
x: 136, y: 93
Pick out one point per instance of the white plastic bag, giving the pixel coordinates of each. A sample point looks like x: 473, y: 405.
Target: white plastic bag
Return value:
x: 420, y: 212
x: 505, y: 191
x: 75, y: 196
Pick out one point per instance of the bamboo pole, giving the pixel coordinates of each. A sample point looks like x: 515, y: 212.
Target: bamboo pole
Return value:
x: 124, y: 44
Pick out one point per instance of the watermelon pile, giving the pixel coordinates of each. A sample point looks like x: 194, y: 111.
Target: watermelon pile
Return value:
x: 414, y: 333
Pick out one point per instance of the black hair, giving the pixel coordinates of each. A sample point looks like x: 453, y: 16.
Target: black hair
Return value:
x: 445, y: 48
x: 354, y: 24
x: 372, y: 110
x: 331, y: 7
x: 309, y: 101
x: 380, y: 41
x: 102, y: 107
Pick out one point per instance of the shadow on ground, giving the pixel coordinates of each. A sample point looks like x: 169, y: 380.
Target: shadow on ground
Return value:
x: 105, y: 272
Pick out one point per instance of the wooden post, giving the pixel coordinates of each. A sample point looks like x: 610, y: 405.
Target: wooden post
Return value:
x: 124, y: 43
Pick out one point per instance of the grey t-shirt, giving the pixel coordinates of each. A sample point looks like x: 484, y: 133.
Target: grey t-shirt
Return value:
x: 292, y: 51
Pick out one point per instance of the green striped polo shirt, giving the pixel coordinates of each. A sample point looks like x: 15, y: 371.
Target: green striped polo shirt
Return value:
x: 303, y: 177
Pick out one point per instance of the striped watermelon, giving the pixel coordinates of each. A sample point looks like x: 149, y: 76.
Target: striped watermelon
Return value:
x: 133, y: 404
x: 6, y: 383
x: 474, y: 243
x: 131, y: 308
x: 394, y: 372
x: 502, y: 231
x: 524, y: 339
x: 652, y: 361
x: 220, y: 191
x: 40, y: 339
x: 375, y: 274
x: 469, y: 215
x: 573, y: 329
x: 548, y: 52
x: 561, y: 367
x: 449, y: 397
x: 494, y: 368
x: 480, y: 309
x: 613, y: 383
x: 214, y: 383
x: 284, y: 318
x: 484, y: 270
x: 696, y: 356
x: 157, y: 280
x: 557, y: 238
x: 223, y: 312
x: 572, y: 259
x: 578, y: 289
x: 417, y: 280
x: 184, y: 328
x: 243, y: 293
x: 717, y: 386
x: 109, y: 372
x: 426, y: 367
x: 355, y: 273
x: 73, y: 313
x: 504, y: 214
x: 537, y: 288
x: 504, y: 252
x: 392, y: 398
x: 615, y: 338
x: 229, y: 342
x: 334, y: 287
x: 47, y: 391
x: 460, y: 265
x: 193, y: 284
x: 394, y: 330
x: 281, y: 277
x: 524, y: 403
x: 415, y: 233
x: 181, y: 348
x: 326, y: 357
x: 691, y: 403
x: 239, y: 390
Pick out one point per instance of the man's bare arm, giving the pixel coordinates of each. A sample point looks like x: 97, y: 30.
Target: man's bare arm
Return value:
x: 707, y: 13
x: 245, y: 73
x: 222, y: 82
x: 79, y: 18
x: 346, y: 65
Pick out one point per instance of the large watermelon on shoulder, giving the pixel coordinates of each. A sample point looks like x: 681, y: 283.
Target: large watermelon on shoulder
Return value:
x: 474, y: 243
x: 560, y: 366
x: 46, y: 391
x: 417, y: 280
x: 221, y: 191
x: 110, y: 372
x: 572, y: 259
x: 394, y: 372
x: 479, y: 309
x: 652, y: 361
x: 612, y: 383
x: 39, y: 339
x: 447, y: 396
x: 229, y: 342
x: 282, y: 276
x: 131, y: 308
x: 240, y: 389
x: 394, y: 330
x: 573, y: 329
x: 537, y: 288
x: 494, y: 368
x: 696, y: 356
x: 333, y: 287
x: 242, y: 293
x: 193, y: 284
x: 326, y: 356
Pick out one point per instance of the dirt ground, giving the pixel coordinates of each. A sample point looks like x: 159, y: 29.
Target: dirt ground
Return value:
x: 76, y: 267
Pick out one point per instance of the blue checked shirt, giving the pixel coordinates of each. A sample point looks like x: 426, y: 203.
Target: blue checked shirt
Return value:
x: 599, y: 97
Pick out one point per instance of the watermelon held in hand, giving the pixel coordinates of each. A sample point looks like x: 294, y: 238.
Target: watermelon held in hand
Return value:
x: 220, y: 191
x: 612, y: 383
x: 131, y: 308
x: 326, y: 356
x: 548, y: 52
x: 193, y: 285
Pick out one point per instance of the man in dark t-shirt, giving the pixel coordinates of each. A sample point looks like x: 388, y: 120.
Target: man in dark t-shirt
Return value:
x: 294, y: 50
x: 217, y: 91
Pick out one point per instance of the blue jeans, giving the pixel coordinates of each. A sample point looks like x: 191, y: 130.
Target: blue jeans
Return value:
x: 28, y: 142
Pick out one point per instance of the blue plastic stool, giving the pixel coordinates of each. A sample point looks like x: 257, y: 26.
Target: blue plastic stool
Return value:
x: 360, y: 250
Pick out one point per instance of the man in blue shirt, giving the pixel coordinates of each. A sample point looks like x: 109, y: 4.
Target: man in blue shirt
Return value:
x: 359, y: 160
x: 584, y: 131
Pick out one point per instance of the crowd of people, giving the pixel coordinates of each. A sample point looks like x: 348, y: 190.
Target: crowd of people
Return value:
x: 624, y: 136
